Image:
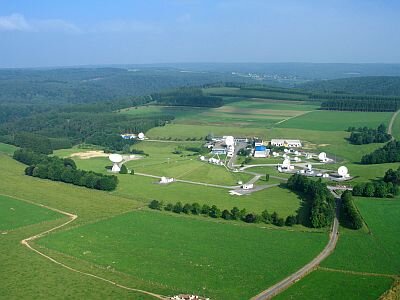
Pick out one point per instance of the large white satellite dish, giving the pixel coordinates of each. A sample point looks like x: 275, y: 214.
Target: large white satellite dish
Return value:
x: 229, y: 140
x: 115, y: 158
x: 343, y: 171
x: 141, y: 136
x: 322, y: 156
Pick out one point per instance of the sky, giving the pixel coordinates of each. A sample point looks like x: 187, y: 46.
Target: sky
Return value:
x: 87, y: 32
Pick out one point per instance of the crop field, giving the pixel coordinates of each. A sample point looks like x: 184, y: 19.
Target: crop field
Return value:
x: 337, y: 120
x: 145, y: 245
x: 16, y: 213
x: 328, y: 285
x: 376, y: 251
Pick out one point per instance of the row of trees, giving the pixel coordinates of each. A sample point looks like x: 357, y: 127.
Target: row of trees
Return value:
x: 233, y: 214
x: 361, y: 105
x: 387, y: 154
x: 350, y: 214
x: 321, y: 203
x: 365, y: 135
x: 392, y: 176
x: 187, y: 97
x: 63, y: 170
x: 389, y: 187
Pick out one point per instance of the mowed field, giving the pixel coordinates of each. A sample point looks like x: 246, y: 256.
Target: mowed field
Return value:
x: 364, y: 263
x: 193, y: 255
x: 29, y: 275
x: 16, y: 213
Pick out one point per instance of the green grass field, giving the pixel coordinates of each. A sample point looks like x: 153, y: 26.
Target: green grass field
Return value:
x: 396, y: 128
x: 334, y: 285
x: 7, y: 149
x: 191, y: 255
x: 337, y: 120
x: 16, y: 213
x: 374, y: 252
x: 28, y: 274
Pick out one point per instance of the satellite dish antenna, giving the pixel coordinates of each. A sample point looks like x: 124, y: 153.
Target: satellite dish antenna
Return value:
x: 141, y: 136
x: 322, y: 156
x: 229, y: 140
x: 309, y: 167
x: 343, y: 171
x: 286, y: 163
x: 115, y: 159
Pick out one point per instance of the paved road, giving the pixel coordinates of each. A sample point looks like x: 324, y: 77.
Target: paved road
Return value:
x: 230, y: 187
x: 287, y: 282
x: 389, y: 130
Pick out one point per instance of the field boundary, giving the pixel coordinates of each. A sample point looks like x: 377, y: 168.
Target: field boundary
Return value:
x: 394, y: 276
x: 72, y: 218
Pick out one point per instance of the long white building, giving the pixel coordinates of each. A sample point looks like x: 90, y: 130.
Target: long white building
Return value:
x: 286, y: 143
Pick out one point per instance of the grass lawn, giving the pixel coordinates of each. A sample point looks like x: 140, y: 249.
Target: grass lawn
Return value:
x: 16, y: 213
x: 7, y: 149
x: 278, y: 199
x: 192, y: 255
x: 322, y: 284
x: 28, y: 274
x: 375, y: 252
x: 337, y: 120
x: 396, y: 128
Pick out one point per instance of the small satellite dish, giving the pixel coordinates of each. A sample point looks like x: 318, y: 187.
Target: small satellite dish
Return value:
x: 322, y: 156
x: 343, y: 171
x: 141, y: 136
x: 309, y: 167
x: 115, y: 158
x: 286, y: 150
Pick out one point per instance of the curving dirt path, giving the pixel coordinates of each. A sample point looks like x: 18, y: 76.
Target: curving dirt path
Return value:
x: 389, y: 130
x: 72, y: 218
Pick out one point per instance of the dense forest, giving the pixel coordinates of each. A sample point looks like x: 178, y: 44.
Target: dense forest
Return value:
x: 64, y: 170
x: 365, y: 135
x: 387, y: 154
x: 56, y: 108
x: 320, y: 201
x: 371, y: 85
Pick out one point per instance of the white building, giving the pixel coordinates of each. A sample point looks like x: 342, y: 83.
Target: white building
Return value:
x: 166, y: 180
x: 247, y: 186
x: 286, y: 143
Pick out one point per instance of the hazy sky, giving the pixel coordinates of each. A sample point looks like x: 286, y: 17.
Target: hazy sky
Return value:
x: 71, y: 32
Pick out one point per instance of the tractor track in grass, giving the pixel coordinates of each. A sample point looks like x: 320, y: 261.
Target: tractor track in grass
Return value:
x: 72, y: 218
x: 390, y: 127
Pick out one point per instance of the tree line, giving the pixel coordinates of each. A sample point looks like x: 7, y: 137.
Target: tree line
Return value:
x: 187, y: 97
x: 386, y: 188
x: 233, y: 214
x: 64, y: 170
x: 365, y: 135
x: 387, y: 154
x: 319, y: 200
x: 350, y: 214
